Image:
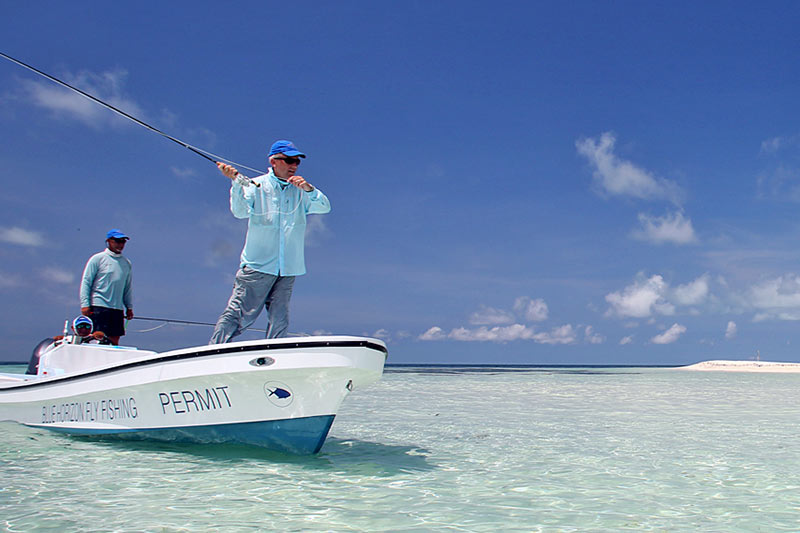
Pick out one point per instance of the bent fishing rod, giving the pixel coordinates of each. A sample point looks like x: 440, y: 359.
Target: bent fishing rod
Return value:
x: 240, y: 178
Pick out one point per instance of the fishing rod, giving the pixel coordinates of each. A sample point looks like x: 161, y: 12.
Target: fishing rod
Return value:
x: 240, y: 178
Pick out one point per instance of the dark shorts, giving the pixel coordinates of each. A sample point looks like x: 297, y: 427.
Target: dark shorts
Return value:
x: 109, y: 321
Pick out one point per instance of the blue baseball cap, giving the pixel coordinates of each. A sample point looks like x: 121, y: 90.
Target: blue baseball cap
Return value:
x: 82, y: 321
x: 285, y: 148
x: 116, y: 234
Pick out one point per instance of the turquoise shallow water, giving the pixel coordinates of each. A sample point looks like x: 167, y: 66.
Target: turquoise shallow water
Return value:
x: 452, y: 450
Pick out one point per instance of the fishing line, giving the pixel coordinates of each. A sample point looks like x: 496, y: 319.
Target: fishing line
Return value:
x: 244, y: 180
x: 192, y: 323
x: 186, y: 322
x: 148, y: 330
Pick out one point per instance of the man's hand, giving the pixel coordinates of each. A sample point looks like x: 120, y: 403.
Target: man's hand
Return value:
x: 86, y: 311
x: 227, y: 170
x: 129, y: 314
x: 301, y: 183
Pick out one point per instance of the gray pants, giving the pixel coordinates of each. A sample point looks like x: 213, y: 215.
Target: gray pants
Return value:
x: 252, y: 291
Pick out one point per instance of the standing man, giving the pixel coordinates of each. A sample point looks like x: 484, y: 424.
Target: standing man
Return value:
x: 106, y: 288
x: 273, y: 252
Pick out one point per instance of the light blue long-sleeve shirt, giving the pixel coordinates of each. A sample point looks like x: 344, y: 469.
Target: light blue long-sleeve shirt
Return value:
x: 276, y: 228
x: 107, y: 281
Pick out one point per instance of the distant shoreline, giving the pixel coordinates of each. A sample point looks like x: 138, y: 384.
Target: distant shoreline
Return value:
x: 743, y: 366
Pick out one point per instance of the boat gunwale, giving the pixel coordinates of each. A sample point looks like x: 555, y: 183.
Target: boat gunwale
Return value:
x: 168, y: 357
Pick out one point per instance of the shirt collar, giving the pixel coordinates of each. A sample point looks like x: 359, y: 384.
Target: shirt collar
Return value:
x: 279, y: 181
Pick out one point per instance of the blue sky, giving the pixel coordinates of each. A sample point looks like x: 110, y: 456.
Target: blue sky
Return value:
x: 521, y: 182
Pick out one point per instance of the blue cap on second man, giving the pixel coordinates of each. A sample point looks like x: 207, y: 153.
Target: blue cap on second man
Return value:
x: 286, y: 148
x: 82, y: 321
x: 116, y: 234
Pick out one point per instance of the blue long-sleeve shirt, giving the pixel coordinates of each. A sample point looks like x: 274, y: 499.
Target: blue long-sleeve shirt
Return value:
x: 276, y: 228
x: 107, y: 281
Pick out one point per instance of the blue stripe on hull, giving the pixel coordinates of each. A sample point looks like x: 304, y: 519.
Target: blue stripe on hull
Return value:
x: 293, y: 435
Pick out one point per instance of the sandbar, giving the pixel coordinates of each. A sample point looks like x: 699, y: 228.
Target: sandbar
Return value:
x: 744, y: 366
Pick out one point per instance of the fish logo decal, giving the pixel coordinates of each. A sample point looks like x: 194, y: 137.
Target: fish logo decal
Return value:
x: 279, y: 394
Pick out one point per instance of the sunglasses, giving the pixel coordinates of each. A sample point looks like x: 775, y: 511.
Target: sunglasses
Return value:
x: 290, y: 160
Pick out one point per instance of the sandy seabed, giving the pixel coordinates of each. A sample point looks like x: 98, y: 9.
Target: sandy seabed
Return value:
x: 744, y: 366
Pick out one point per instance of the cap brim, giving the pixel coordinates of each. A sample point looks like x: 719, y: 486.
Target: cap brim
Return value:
x: 293, y: 153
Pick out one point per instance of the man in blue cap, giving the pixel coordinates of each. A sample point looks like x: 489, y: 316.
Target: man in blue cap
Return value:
x: 276, y: 205
x: 106, y: 294
x: 83, y: 328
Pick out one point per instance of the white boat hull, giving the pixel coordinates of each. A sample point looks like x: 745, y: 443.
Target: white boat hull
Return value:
x: 280, y: 394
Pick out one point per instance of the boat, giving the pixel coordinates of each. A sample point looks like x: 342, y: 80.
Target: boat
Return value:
x: 280, y: 394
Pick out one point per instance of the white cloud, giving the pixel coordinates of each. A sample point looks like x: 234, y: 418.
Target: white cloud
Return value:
x: 770, y: 146
x: 500, y: 325
x: 783, y: 315
x: 433, y: 334
x: 669, y: 336
x: 641, y: 299
x: 106, y: 86
x: 497, y: 333
x: 776, y: 144
x: 560, y: 335
x: 9, y: 281
x: 671, y: 228
x: 56, y: 275
x: 531, y: 310
x: 524, y: 308
x: 778, y: 294
x: 693, y: 293
x: 626, y: 340
x: 316, y: 230
x: 592, y: 337
x: 775, y: 299
x: 565, y: 334
x: 620, y: 177
x: 782, y: 181
x: 489, y: 316
x: 730, y: 330
x: 183, y: 173
x: 647, y: 297
x: 382, y: 334
x: 23, y: 237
